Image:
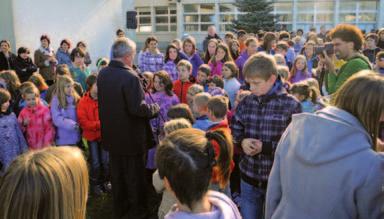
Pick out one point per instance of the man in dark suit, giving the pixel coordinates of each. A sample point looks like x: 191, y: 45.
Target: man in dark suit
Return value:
x: 125, y: 129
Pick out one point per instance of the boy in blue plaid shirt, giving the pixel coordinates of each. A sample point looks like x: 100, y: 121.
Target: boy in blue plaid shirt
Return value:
x: 259, y: 121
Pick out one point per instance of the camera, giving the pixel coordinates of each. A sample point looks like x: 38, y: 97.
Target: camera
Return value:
x: 328, y: 48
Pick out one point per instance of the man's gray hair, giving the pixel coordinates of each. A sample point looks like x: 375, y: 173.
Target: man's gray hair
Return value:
x: 122, y: 47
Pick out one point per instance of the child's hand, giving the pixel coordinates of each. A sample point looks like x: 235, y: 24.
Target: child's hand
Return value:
x: 251, y: 146
x: 380, y: 145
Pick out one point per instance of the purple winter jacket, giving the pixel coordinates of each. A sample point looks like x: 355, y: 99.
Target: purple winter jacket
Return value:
x: 222, y: 208
x: 240, y: 61
x: 299, y: 76
x: 196, y: 61
x: 12, y: 141
x: 65, y: 121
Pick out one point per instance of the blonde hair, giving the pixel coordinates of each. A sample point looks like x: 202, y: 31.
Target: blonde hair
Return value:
x: 50, y: 183
x: 361, y: 96
x: 202, y: 99
x: 176, y: 124
x: 12, y: 80
x: 30, y: 90
x: 185, y: 63
x: 61, y: 96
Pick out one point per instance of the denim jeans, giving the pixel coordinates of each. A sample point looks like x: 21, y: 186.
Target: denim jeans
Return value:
x: 99, y: 161
x: 252, y: 201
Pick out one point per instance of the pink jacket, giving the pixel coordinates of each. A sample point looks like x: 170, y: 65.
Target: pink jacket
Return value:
x: 216, y: 69
x: 39, y: 132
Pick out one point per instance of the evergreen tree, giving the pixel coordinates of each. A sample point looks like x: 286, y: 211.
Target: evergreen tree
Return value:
x: 258, y: 16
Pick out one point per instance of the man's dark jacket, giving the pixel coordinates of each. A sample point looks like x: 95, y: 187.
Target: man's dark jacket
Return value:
x: 123, y: 113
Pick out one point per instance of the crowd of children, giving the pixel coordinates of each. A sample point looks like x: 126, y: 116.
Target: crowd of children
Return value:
x: 222, y: 113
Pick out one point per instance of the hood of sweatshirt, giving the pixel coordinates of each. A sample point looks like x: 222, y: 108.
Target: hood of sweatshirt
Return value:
x: 222, y: 208
x: 318, y: 147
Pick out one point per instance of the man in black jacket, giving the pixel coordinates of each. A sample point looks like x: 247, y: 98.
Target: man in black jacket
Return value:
x: 211, y: 35
x: 125, y: 129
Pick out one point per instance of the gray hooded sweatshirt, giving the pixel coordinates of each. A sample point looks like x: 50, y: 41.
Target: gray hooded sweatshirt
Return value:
x: 324, y: 167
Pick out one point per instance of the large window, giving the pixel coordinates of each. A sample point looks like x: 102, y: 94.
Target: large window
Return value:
x: 165, y: 19
x: 283, y: 12
x: 144, y: 19
x: 361, y: 13
x: 198, y: 17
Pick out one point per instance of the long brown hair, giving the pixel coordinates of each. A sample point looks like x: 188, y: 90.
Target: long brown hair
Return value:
x: 61, y: 96
x: 49, y: 183
x: 227, y: 56
x: 362, y: 96
x: 13, y: 83
x: 192, y: 41
x: 294, y: 70
x: 165, y: 80
x: 207, y: 56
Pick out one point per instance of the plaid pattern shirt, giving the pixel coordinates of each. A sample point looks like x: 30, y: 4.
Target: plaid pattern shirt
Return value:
x: 264, y: 118
x: 170, y: 68
x: 151, y: 62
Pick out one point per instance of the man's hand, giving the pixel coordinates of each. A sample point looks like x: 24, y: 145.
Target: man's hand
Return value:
x: 328, y: 62
x: 251, y: 146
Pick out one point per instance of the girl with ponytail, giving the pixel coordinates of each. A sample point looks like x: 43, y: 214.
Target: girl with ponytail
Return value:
x: 185, y: 160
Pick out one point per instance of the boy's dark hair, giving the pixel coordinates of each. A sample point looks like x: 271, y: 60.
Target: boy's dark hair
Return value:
x: 218, y: 105
x: 181, y: 110
x: 205, y: 69
x: 22, y: 50
x: 305, y: 90
x: 91, y: 80
x: 300, y: 30
x: 118, y: 31
x: 4, y: 96
x: 348, y: 33
x: 373, y: 36
x: 282, y: 45
x: 77, y: 52
x: 283, y: 35
x: 186, y: 157
x: 66, y: 41
x: 218, y: 81
x: 241, y: 33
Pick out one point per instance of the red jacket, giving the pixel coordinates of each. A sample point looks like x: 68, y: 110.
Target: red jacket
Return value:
x: 181, y: 89
x: 224, y: 127
x: 88, y: 116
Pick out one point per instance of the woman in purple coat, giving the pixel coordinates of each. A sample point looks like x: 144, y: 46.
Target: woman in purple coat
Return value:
x: 63, y: 110
x: 164, y: 96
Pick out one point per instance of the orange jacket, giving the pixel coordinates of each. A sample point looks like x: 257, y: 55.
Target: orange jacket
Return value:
x: 88, y: 117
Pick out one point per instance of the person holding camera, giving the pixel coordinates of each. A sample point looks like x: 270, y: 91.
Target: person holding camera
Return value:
x: 347, y: 41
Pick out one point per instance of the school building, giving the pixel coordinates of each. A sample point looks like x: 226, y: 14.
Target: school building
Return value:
x: 169, y: 19
x: 95, y: 21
